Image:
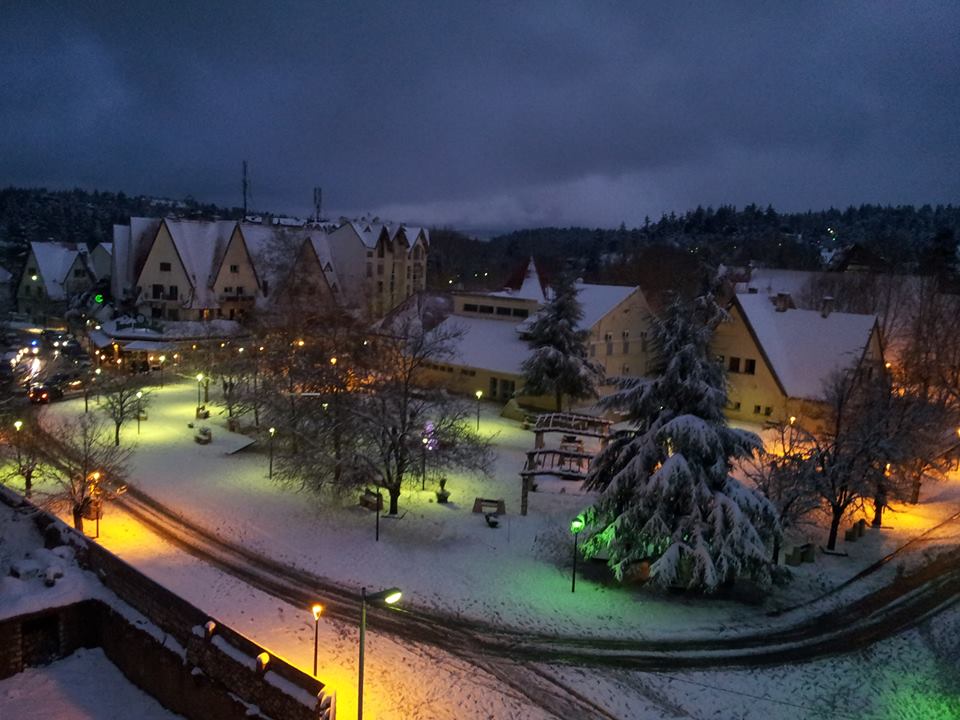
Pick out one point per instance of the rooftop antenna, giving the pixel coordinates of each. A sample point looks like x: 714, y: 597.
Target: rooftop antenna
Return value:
x: 246, y: 188
x: 317, y: 203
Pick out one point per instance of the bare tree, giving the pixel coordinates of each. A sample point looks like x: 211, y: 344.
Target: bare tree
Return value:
x: 84, y: 465
x: 23, y: 446
x: 782, y: 472
x: 123, y: 398
x: 398, y: 403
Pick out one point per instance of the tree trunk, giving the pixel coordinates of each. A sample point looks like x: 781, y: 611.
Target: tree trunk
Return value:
x: 394, y: 491
x: 116, y: 434
x: 559, y: 396
x: 776, y: 551
x: 915, y: 495
x: 78, y: 518
x: 877, y: 514
x: 28, y: 483
x: 836, y: 516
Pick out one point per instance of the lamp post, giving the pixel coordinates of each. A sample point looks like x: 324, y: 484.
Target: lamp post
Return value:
x: 272, y: 431
x: 575, y: 527
x: 96, y: 376
x: 163, y: 359
x: 423, y: 462
x: 95, y: 494
x: 382, y: 598
x: 479, y: 394
x: 378, y: 504
x: 18, y: 425
x: 317, y: 610
x: 199, y: 380
x: 139, y: 398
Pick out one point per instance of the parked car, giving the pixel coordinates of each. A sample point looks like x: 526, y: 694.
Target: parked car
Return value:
x: 44, y: 393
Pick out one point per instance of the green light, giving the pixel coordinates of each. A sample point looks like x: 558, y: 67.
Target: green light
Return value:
x: 98, y: 298
x: 577, y: 525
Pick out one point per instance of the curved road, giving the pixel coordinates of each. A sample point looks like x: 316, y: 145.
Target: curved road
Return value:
x: 901, y: 604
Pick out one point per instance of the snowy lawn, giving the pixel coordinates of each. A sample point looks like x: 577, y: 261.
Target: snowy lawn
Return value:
x: 445, y: 556
x: 83, y: 686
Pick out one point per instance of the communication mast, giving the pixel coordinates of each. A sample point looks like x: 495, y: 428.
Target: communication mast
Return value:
x: 317, y: 203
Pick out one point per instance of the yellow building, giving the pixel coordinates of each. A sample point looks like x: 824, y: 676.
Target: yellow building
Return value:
x: 54, y: 274
x: 491, y: 348
x: 778, y: 358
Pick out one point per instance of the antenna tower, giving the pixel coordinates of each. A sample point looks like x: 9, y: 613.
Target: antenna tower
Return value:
x: 317, y: 203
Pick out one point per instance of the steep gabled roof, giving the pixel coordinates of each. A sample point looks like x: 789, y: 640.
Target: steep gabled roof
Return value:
x: 200, y: 244
x: 526, y: 286
x: 803, y: 348
x: 54, y: 260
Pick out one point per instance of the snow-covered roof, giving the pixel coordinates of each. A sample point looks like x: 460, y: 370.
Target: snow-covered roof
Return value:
x: 488, y: 344
x: 530, y: 289
x: 200, y: 245
x: 369, y: 232
x: 803, y: 347
x: 321, y: 246
x: 770, y: 281
x: 107, y: 247
x: 54, y: 260
x: 598, y: 300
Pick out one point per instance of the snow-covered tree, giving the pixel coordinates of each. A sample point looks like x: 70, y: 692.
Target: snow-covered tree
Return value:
x: 123, y: 398
x: 558, y: 364
x: 666, y: 494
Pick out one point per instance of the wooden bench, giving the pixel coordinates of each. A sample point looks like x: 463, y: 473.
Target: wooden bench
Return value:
x: 485, y: 505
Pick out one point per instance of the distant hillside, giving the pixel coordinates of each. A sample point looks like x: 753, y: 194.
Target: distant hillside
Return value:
x: 80, y: 216
x: 906, y: 237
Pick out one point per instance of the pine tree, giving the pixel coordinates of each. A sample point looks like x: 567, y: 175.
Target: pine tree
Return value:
x: 558, y: 363
x: 666, y: 491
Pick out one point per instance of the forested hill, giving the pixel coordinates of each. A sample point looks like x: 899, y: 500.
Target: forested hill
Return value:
x: 906, y: 237
x: 80, y: 216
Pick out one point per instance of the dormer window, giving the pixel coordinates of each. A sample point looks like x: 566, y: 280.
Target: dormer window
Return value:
x: 234, y: 269
x: 165, y: 267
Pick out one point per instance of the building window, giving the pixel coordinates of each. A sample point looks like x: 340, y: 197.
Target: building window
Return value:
x: 735, y: 405
x: 734, y: 365
x: 173, y: 314
x: 379, y: 286
x: 158, y: 292
x: 521, y: 312
x: 750, y: 366
x: 266, y: 288
x: 370, y: 253
x: 227, y: 289
x: 721, y: 359
x: 239, y: 290
x: 380, y: 250
x: 503, y: 311
x: 369, y: 270
x: 768, y: 411
x: 79, y: 272
x: 469, y: 307
x: 626, y: 347
x: 165, y: 267
x: 486, y: 309
x: 174, y: 293
x: 234, y: 268
x: 625, y: 370
x: 756, y: 409
x: 380, y: 269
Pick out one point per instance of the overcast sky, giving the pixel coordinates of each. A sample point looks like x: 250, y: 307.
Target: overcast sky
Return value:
x: 487, y: 114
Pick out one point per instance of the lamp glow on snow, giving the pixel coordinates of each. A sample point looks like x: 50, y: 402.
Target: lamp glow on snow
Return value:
x: 384, y: 598
x: 317, y: 611
x: 576, y: 526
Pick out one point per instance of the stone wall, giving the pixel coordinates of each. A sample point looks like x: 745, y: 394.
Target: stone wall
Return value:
x: 193, y: 672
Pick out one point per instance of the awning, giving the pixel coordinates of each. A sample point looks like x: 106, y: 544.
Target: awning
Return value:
x: 99, y: 338
x: 147, y: 346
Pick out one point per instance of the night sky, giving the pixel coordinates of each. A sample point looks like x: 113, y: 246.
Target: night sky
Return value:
x: 487, y: 115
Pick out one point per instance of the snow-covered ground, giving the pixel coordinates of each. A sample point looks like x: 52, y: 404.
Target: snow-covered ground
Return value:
x: 83, y: 686
x: 446, y: 558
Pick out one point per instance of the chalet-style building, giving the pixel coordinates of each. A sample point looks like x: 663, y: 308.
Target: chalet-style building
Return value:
x: 778, y: 358
x: 380, y: 265
x: 176, y: 270
x: 54, y: 273
x: 491, y: 347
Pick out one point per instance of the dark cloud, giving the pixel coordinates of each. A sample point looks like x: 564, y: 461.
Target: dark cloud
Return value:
x: 486, y: 114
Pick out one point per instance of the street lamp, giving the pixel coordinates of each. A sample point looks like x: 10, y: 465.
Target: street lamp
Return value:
x: 95, y: 494
x: 423, y: 462
x: 272, y: 431
x: 383, y: 598
x: 199, y: 380
x: 163, y: 359
x: 479, y: 394
x: 317, y: 610
x: 96, y: 375
x: 575, y: 527
x: 139, y: 398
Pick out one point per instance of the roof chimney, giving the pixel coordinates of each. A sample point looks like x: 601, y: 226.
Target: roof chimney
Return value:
x: 826, y: 306
x: 782, y: 301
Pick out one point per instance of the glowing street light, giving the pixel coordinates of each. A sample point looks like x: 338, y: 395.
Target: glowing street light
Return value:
x: 139, y: 398
x: 383, y: 598
x: 199, y: 380
x: 272, y: 431
x: 317, y: 611
x: 575, y: 527
x: 95, y: 495
x: 479, y: 394
x: 18, y: 424
x: 163, y: 359
x: 333, y: 361
x: 793, y: 419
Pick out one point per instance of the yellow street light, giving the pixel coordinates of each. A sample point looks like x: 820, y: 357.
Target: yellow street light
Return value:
x: 317, y: 610
x: 333, y: 361
x: 385, y: 597
x: 19, y: 424
x: 793, y: 419
x: 479, y: 394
